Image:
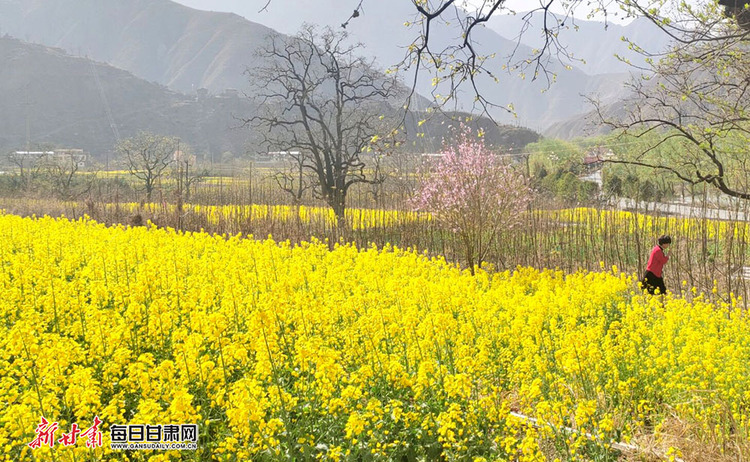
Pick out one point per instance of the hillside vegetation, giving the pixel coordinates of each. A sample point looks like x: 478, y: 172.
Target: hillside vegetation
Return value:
x: 61, y: 98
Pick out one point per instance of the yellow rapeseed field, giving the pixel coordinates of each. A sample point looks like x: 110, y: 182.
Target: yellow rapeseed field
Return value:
x: 619, y: 221
x: 281, y: 352
x: 216, y: 214
x: 357, y: 218
x: 592, y: 221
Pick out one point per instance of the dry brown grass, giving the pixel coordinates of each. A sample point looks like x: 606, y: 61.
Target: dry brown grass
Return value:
x: 693, y: 443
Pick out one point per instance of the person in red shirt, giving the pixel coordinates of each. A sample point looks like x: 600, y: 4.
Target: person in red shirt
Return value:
x: 654, y: 279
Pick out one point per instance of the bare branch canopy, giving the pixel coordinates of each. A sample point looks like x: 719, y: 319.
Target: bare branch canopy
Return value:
x: 323, y: 105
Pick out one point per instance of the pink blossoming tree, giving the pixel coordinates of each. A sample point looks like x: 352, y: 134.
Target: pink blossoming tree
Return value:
x: 472, y: 192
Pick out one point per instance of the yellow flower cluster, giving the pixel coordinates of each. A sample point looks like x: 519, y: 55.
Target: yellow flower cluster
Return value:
x: 357, y: 218
x: 217, y: 214
x: 283, y: 352
x: 617, y: 221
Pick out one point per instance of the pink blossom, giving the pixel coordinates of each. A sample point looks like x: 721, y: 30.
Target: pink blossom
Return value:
x: 472, y: 192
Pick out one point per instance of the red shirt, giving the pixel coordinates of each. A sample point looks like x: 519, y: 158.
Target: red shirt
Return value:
x: 656, y: 261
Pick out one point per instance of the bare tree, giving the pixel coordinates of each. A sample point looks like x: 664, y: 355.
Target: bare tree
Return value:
x: 324, y: 105
x: 293, y: 178
x: 29, y: 167
x: 695, y: 96
x: 63, y: 173
x: 147, y: 157
x: 400, y: 172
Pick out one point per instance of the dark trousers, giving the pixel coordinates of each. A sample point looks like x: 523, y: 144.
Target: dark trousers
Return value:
x: 651, y: 282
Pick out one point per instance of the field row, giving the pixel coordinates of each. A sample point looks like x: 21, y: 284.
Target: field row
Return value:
x: 599, y: 221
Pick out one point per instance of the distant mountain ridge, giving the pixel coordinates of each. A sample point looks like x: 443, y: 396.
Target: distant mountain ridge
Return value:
x: 51, y: 99
x: 592, y: 44
x: 596, y: 48
x: 157, y: 40
x: 380, y: 26
x: 61, y: 100
x: 186, y: 49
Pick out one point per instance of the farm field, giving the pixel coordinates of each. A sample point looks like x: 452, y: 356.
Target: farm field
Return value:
x: 708, y: 254
x: 317, y: 351
x: 426, y: 231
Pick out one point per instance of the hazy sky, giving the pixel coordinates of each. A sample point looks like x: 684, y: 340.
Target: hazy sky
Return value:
x: 246, y: 7
x: 526, y: 5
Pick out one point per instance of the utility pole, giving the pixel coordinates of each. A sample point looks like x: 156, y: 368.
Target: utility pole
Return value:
x: 178, y: 158
x: 28, y: 119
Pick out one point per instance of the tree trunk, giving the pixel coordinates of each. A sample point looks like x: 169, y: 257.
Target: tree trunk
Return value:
x: 338, y: 205
x: 470, y: 260
x: 336, y: 199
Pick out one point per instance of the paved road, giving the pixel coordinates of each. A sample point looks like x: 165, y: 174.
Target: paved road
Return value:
x: 683, y: 210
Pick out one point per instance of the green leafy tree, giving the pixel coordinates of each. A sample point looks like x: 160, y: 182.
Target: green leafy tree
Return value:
x: 691, y: 110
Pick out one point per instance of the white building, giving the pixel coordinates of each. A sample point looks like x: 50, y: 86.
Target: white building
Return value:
x: 78, y: 156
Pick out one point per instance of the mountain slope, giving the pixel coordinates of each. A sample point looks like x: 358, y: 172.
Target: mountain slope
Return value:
x: 59, y: 100
x: 162, y: 41
x: 592, y: 44
x: 381, y: 28
x: 157, y: 40
x: 59, y: 97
